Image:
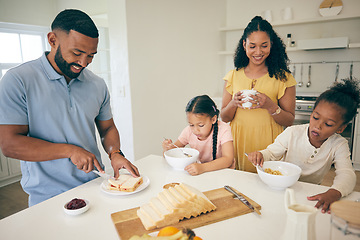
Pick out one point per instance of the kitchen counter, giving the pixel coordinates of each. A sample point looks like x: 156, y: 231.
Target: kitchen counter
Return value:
x: 47, y: 220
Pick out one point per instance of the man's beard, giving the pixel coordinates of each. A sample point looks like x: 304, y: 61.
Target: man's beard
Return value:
x: 64, y: 66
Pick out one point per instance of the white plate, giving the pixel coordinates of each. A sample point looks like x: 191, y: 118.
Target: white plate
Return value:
x: 105, y: 183
x: 77, y: 211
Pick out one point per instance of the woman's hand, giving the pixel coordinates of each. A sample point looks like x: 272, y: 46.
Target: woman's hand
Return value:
x: 261, y: 100
x: 325, y: 199
x: 194, y: 169
x: 238, y: 100
x: 256, y: 158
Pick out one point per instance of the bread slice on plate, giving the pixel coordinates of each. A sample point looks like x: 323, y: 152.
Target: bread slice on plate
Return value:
x: 114, y: 184
x: 125, y: 183
x: 131, y: 184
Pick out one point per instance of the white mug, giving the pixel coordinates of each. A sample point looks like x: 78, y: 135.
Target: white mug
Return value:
x: 246, y: 96
x: 287, y: 13
x: 267, y: 15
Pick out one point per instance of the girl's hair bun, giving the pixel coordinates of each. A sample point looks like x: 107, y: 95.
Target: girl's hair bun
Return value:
x: 349, y: 87
x: 345, y: 94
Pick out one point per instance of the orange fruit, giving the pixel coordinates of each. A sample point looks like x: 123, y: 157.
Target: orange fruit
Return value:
x: 168, y: 231
x: 197, y: 238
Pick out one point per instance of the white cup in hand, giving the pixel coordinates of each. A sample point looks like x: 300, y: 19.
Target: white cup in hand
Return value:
x: 246, y: 97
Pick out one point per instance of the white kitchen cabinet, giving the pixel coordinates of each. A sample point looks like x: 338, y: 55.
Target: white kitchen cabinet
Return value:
x: 10, y: 170
x: 4, y: 170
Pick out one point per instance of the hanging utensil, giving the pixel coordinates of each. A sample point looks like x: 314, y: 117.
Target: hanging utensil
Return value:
x: 301, y: 76
x: 351, y: 70
x: 294, y: 70
x: 337, y: 72
x: 309, y: 77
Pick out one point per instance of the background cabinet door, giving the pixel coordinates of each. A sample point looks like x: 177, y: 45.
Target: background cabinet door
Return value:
x: 14, y: 166
x: 4, y: 170
x: 10, y: 170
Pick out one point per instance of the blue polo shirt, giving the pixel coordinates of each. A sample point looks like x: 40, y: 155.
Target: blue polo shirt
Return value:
x: 34, y: 94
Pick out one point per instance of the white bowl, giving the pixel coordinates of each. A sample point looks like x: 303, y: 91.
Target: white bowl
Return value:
x: 77, y: 211
x: 290, y: 174
x: 178, y: 160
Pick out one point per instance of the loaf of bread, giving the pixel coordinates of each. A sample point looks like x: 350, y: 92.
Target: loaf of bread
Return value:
x: 125, y: 183
x: 172, y: 205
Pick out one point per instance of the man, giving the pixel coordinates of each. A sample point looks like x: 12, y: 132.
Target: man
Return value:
x: 49, y: 108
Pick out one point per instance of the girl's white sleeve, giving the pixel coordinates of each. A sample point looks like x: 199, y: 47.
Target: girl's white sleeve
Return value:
x: 277, y: 150
x: 345, y: 179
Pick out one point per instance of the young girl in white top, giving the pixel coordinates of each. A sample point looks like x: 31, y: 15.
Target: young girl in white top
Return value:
x: 205, y: 133
x: 314, y: 147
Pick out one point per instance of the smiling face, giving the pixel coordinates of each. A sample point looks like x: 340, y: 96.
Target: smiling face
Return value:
x: 257, y: 47
x: 325, y: 120
x: 71, y: 53
x: 201, y: 124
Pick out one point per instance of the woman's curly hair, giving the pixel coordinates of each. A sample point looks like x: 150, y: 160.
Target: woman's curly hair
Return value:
x: 277, y: 62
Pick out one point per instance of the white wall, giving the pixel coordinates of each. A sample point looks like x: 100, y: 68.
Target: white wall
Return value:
x: 121, y: 97
x: 238, y: 11
x: 34, y: 12
x: 172, y: 57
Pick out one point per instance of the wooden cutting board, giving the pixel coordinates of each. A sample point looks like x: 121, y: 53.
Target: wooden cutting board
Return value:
x: 127, y: 223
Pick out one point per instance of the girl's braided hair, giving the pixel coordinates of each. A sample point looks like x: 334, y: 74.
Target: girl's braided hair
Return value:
x: 205, y: 105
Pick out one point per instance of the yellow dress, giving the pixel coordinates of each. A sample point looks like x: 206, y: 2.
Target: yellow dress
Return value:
x: 254, y: 129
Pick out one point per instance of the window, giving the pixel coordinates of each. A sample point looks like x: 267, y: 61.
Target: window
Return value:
x: 20, y: 43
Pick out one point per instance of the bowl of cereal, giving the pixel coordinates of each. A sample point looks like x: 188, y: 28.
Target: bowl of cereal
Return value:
x: 176, y: 158
x: 279, y: 175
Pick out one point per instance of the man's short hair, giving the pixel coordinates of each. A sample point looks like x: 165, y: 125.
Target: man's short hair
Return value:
x: 73, y: 19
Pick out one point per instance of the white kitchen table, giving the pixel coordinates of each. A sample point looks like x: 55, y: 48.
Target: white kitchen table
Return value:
x: 47, y: 220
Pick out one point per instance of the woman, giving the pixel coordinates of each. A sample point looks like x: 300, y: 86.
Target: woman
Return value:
x: 261, y: 63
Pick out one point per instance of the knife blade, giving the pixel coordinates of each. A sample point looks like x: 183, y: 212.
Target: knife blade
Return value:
x: 242, y: 199
x: 103, y: 175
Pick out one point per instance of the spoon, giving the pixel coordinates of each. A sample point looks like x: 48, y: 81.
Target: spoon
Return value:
x: 186, y: 154
x: 257, y: 166
x: 337, y: 72
x: 309, y: 76
x: 301, y: 76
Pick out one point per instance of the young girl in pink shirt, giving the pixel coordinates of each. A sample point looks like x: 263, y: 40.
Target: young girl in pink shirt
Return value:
x: 207, y: 134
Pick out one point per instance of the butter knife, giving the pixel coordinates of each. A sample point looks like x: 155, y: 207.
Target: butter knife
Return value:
x: 103, y: 175
x: 242, y: 199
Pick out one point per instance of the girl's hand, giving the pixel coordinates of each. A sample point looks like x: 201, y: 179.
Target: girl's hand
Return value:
x: 261, y: 100
x: 166, y: 144
x: 325, y: 199
x: 194, y: 169
x: 256, y: 158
